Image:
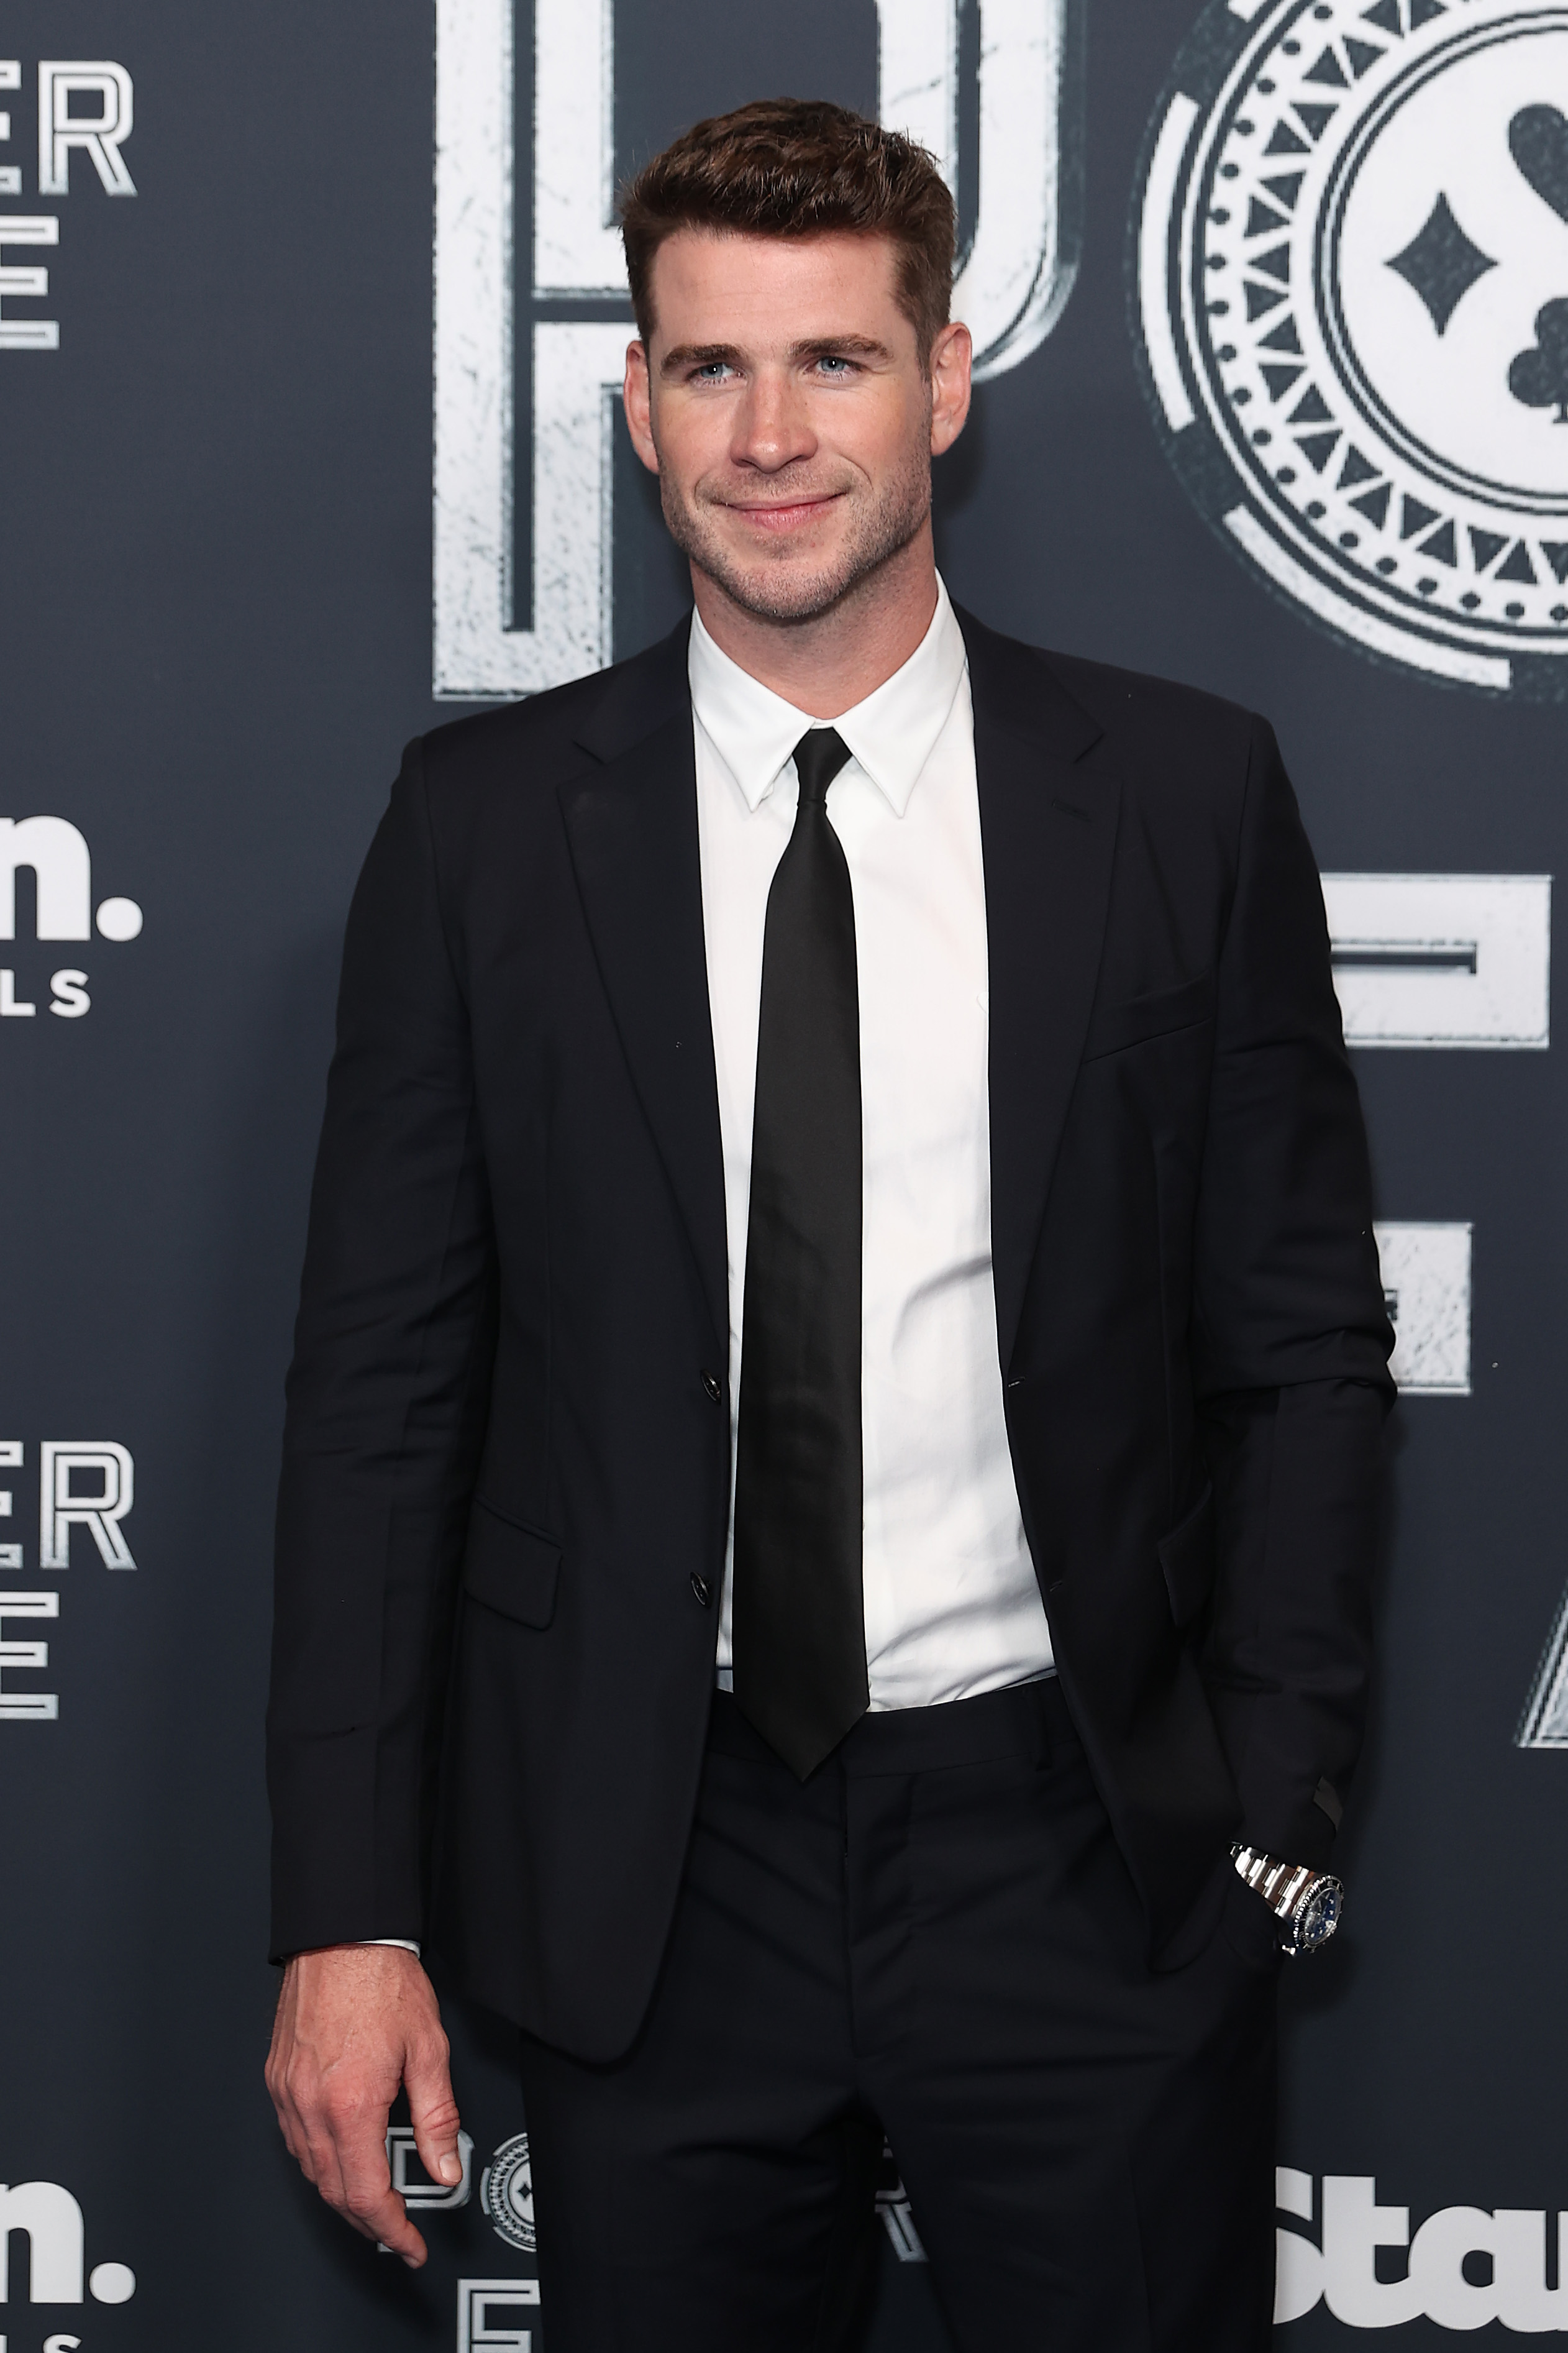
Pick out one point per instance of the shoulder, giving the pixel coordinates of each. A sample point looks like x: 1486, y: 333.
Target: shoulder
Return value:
x: 1160, y: 717
x: 528, y: 748
x: 1146, y: 727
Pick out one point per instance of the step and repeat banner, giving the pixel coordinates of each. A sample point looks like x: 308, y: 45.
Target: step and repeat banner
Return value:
x: 311, y: 334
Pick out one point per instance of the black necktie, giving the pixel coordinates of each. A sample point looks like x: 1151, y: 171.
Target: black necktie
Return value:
x: 798, y: 1613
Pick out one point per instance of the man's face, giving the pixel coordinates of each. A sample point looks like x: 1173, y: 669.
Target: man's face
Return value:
x: 789, y: 413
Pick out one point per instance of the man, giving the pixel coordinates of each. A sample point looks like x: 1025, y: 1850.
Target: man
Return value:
x: 831, y: 1453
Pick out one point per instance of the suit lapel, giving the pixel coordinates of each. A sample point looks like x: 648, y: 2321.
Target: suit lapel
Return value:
x: 1047, y: 824
x: 631, y: 822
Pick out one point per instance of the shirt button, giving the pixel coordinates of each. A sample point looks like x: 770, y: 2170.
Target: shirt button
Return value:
x: 702, y: 1590
x: 714, y: 1390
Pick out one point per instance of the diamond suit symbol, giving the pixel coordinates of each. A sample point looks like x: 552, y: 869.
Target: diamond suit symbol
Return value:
x: 1442, y: 263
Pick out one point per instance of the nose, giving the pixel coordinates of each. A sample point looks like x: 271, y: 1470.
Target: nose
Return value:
x: 772, y: 423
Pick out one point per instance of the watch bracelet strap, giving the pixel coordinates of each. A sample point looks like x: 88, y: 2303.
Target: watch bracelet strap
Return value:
x: 1280, y: 1884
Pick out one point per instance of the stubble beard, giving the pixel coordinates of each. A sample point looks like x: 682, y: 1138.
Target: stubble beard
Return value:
x: 785, y: 586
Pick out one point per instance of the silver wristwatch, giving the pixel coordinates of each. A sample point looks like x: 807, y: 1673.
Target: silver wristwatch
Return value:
x: 1307, y: 1904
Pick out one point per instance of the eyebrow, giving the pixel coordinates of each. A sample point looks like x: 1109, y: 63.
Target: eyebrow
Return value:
x: 688, y: 355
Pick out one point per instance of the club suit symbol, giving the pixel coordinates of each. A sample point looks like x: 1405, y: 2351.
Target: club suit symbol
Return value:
x: 1539, y: 377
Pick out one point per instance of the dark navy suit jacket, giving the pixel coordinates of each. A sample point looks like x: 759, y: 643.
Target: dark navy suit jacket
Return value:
x: 505, y: 1490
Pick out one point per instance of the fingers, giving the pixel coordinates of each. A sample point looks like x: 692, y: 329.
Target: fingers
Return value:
x: 433, y: 2110
x: 338, y: 2136
x: 359, y: 2188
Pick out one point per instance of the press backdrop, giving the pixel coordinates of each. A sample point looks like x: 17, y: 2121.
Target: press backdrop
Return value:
x: 1274, y: 305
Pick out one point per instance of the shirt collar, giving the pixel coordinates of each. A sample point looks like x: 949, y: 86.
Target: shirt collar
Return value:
x: 891, y: 733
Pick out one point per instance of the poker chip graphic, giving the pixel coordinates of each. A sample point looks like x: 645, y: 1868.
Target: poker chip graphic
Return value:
x: 1350, y: 253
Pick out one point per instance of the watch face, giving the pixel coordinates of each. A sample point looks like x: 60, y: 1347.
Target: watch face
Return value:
x: 1320, y: 1915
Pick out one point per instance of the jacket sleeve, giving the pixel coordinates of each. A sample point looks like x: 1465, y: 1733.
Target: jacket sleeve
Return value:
x: 386, y: 1398
x: 1291, y: 1342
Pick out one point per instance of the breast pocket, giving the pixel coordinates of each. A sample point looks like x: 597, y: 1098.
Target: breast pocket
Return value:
x: 511, y: 1568
x: 1157, y: 1014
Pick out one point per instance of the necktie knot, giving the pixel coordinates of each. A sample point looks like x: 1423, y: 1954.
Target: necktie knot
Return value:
x: 818, y: 756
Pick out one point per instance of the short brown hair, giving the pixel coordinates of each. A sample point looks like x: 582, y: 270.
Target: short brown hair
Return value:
x: 797, y: 167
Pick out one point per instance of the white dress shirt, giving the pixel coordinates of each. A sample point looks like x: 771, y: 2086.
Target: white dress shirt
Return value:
x: 952, y: 1604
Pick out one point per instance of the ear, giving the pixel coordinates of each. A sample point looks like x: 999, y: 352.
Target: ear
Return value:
x: 637, y: 398
x: 950, y: 358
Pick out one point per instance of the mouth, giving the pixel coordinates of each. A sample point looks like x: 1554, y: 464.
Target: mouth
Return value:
x: 778, y: 518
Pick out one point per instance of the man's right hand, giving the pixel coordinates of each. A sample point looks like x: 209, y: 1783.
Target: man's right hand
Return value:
x: 356, y: 2022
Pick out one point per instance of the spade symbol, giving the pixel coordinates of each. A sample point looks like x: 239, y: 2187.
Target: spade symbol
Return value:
x: 1538, y: 141
x: 1539, y: 377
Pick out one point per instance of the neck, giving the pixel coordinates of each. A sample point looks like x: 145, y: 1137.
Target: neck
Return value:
x: 826, y: 665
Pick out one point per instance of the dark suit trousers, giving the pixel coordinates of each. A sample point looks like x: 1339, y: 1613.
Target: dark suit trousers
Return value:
x: 936, y: 1938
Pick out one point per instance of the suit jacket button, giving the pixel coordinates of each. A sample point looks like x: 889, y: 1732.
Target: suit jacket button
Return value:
x: 702, y: 1590
x: 714, y: 1389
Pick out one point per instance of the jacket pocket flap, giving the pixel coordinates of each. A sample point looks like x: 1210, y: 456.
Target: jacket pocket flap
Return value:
x: 1187, y: 1557
x: 510, y: 1569
x: 1114, y: 1026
